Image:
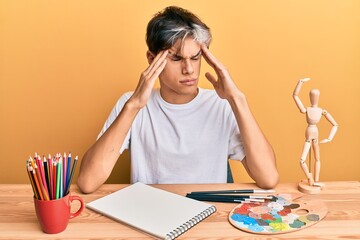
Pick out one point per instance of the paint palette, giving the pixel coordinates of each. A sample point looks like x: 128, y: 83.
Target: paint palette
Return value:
x: 281, y: 214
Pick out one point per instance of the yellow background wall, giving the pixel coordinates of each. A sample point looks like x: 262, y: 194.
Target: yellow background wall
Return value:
x: 63, y: 65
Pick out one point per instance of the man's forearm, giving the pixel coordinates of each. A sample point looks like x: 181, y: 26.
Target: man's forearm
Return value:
x: 260, y: 157
x: 101, y: 157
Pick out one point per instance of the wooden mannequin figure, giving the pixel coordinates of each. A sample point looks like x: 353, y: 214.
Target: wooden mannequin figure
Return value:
x: 313, y: 116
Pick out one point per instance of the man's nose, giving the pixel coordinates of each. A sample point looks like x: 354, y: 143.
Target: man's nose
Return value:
x: 187, y: 67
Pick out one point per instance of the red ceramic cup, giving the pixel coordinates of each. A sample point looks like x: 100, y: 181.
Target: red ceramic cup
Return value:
x: 54, y: 215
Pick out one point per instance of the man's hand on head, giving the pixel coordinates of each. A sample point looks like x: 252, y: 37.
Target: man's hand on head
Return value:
x: 223, y: 85
x: 147, y: 79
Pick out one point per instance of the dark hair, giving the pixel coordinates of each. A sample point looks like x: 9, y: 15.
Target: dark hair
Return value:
x: 172, y: 24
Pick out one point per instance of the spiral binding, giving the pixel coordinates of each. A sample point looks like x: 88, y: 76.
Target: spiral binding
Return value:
x: 189, y: 224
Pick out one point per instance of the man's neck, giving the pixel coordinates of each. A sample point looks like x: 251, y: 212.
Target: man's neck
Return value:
x: 176, y: 98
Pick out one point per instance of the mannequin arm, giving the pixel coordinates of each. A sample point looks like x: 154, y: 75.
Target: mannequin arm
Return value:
x: 298, y: 102
x: 333, y: 129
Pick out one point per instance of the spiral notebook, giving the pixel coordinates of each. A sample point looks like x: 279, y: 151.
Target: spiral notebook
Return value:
x: 160, y: 213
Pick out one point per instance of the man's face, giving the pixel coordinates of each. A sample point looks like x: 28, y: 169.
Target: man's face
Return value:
x: 179, y: 79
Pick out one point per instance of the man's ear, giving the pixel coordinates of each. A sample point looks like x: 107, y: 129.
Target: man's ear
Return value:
x: 150, y: 56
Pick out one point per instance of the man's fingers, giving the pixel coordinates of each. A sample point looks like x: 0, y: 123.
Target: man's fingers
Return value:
x: 213, y: 62
x: 149, y: 76
x: 206, y: 54
x: 210, y: 77
x: 210, y: 58
x: 160, y: 57
x: 150, y: 79
x: 158, y: 70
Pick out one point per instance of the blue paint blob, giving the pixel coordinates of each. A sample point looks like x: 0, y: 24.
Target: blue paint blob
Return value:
x: 249, y: 220
x: 243, y: 219
x: 277, y: 216
x: 241, y: 225
x: 256, y: 228
x: 237, y: 217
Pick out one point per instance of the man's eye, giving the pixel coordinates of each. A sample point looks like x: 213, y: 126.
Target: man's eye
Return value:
x: 175, y: 59
x: 197, y: 56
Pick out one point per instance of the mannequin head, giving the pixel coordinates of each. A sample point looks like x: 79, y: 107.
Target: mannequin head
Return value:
x: 314, y: 97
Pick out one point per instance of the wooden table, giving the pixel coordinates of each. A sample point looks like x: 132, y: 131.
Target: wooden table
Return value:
x: 18, y: 219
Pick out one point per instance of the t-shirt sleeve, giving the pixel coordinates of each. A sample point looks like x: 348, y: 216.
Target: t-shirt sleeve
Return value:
x: 113, y: 115
x: 236, y: 147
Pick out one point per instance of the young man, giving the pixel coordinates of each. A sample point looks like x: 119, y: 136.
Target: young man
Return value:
x: 180, y: 133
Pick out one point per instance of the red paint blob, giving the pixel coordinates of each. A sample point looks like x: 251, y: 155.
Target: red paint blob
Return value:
x: 244, y: 209
x: 284, y: 212
x: 267, y: 216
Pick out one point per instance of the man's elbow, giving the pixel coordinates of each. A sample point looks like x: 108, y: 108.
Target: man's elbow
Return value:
x: 269, y: 182
x: 85, y: 186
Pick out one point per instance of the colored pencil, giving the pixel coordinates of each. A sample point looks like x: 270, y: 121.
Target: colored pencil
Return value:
x: 61, y: 182
x: 41, y: 185
x: 51, y: 177
x: 54, y: 178
x: 31, y: 178
x: 42, y: 174
x: 36, y: 178
x: 31, y: 163
x: 37, y: 185
x: 64, y: 172
x: 58, y: 166
x: 68, y: 171
x: 71, y: 175
x: 40, y: 169
x: 47, y: 179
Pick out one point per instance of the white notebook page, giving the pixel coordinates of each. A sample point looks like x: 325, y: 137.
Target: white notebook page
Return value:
x: 152, y: 210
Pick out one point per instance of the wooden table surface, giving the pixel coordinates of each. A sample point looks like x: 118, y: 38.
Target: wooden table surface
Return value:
x: 18, y: 218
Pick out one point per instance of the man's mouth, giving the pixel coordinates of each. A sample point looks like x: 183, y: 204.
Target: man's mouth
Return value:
x: 188, y: 82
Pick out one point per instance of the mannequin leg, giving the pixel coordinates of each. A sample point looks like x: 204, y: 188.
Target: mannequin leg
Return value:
x: 303, y: 163
x: 316, y: 149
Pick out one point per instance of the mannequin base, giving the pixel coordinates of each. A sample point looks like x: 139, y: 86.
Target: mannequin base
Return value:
x: 306, y: 188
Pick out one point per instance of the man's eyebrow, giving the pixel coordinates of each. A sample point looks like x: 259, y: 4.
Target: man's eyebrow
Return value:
x: 179, y: 56
x: 198, y: 54
x: 175, y: 55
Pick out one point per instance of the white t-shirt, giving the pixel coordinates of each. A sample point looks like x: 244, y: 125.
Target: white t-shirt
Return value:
x: 181, y: 143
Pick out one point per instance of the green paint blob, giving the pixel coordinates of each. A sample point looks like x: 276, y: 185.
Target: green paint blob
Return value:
x: 297, y: 224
